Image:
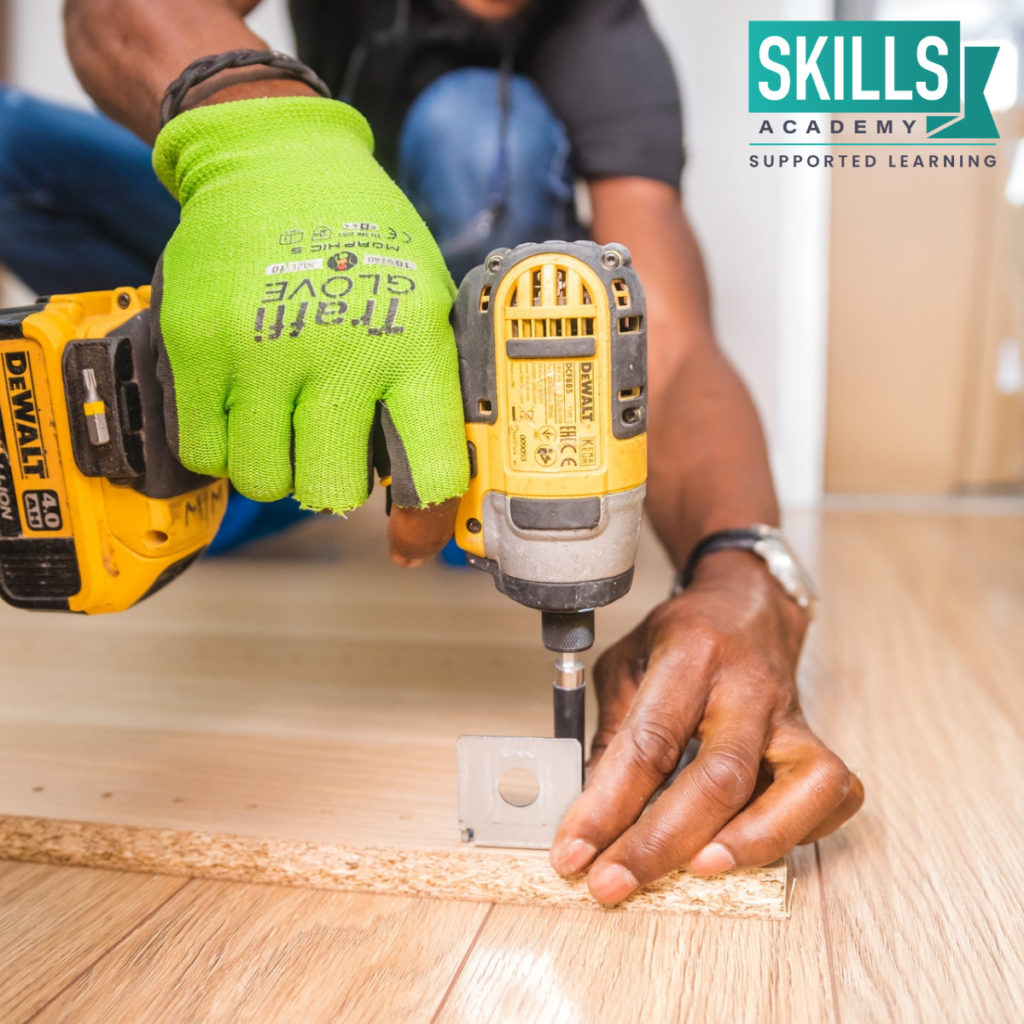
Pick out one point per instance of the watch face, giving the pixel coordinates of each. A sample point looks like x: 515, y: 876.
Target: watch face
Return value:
x: 788, y: 572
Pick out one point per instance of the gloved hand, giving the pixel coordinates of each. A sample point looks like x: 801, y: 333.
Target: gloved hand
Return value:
x: 300, y: 290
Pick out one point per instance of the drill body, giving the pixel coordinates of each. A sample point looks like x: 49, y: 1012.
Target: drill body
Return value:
x: 553, y: 361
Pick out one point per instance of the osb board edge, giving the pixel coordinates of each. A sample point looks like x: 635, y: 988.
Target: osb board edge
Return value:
x: 512, y: 877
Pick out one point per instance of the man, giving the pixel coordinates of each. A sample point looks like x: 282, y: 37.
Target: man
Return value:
x: 277, y: 369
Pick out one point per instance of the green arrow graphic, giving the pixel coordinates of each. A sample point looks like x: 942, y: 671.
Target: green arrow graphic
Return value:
x: 976, y: 122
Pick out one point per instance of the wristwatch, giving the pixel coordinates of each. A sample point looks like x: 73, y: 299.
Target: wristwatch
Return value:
x: 772, y: 548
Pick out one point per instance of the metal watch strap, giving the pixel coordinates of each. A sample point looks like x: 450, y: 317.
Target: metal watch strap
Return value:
x: 206, y: 67
x: 768, y: 544
x: 721, y: 540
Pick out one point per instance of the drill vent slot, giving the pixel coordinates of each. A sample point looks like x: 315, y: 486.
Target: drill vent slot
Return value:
x: 551, y: 327
x: 549, y: 287
x: 621, y: 292
x: 629, y: 324
x: 629, y: 393
x: 485, y: 298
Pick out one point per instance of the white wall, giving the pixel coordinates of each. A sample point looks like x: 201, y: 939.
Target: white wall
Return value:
x: 764, y: 233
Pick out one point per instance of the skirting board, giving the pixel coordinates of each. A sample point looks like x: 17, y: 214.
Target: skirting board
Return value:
x: 490, y: 876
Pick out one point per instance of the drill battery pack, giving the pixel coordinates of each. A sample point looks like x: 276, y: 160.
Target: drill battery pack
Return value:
x: 96, y: 512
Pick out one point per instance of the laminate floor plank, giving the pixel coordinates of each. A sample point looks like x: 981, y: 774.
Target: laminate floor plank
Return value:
x: 56, y: 922
x: 554, y: 966
x: 923, y: 901
x: 223, y: 952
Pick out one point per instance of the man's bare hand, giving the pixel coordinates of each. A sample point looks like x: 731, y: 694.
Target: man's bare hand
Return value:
x: 716, y: 662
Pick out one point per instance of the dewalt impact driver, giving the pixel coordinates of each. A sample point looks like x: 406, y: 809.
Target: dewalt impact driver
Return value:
x: 553, y: 362
x: 96, y: 512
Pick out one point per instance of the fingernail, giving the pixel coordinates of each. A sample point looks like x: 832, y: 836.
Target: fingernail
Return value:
x: 406, y: 562
x: 712, y: 860
x: 611, y: 883
x: 573, y: 856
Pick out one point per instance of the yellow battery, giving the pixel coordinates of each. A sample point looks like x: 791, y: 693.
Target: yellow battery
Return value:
x: 86, y: 526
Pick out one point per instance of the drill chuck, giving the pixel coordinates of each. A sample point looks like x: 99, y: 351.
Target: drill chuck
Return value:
x: 567, y: 631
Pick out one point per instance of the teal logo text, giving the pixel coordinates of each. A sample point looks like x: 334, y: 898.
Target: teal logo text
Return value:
x: 873, y: 67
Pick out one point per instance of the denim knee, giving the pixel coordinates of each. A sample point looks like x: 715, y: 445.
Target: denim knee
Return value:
x: 80, y: 206
x: 16, y: 119
x: 482, y: 175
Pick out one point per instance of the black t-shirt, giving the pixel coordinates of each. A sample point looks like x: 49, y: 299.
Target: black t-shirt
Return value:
x: 598, y: 63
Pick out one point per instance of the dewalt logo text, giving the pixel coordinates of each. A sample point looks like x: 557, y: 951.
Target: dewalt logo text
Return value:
x: 587, y: 392
x: 21, y: 403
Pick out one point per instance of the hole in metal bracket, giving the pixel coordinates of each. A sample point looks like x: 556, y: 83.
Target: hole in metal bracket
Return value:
x: 519, y: 787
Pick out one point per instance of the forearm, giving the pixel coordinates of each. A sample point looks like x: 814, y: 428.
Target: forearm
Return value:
x: 708, y: 465
x: 126, y: 53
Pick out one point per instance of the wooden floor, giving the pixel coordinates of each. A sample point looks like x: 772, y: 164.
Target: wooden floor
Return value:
x: 912, y: 913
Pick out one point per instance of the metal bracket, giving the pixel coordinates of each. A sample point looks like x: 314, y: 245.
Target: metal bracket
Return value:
x: 488, y: 818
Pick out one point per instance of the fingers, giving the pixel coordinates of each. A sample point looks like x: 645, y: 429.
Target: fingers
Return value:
x: 644, y: 750
x: 691, y: 811
x: 848, y: 807
x: 426, y: 437
x: 260, y: 447
x: 616, y: 680
x: 194, y: 410
x: 331, y: 443
x: 426, y: 444
x: 812, y: 795
x: 202, y: 431
x: 416, y: 533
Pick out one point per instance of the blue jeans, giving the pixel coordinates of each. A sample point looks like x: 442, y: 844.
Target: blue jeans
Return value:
x: 484, y: 160
x: 80, y: 206
x: 485, y: 171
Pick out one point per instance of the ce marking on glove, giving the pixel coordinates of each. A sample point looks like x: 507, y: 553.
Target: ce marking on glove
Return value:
x: 362, y: 234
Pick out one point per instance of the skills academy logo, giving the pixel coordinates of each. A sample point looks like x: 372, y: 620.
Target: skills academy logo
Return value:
x: 869, y: 93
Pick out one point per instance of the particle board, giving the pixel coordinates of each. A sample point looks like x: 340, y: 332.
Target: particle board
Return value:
x: 282, y: 720
x: 487, y: 876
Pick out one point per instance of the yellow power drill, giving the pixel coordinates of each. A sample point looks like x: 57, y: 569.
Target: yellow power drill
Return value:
x: 97, y: 513
x: 553, y: 362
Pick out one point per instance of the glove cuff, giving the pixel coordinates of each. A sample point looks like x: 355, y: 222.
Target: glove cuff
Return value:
x: 270, y: 128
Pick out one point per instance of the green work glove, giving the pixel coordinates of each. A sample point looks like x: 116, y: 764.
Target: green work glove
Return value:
x: 300, y: 294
